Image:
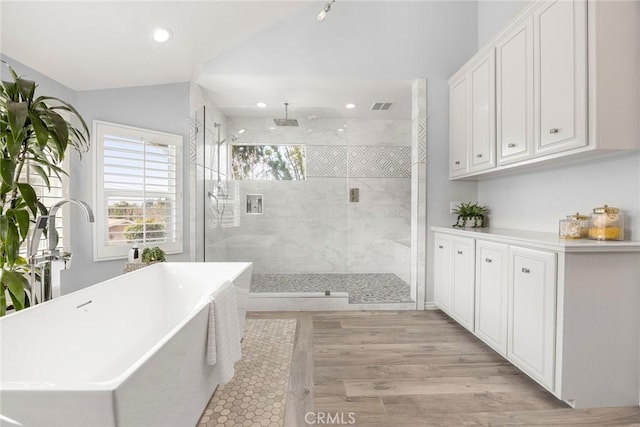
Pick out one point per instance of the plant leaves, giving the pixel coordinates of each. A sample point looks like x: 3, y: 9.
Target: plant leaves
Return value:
x: 68, y: 107
x: 40, y: 128
x: 17, y: 113
x: 12, y: 243
x: 26, y: 88
x: 16, y: 283
x: 7, y: 170
x: 59, y: 130
x: 29, y: 196
x: 4, y: 221
x: 45, y: 176
x: 3, y: 301
x: 21, y: 217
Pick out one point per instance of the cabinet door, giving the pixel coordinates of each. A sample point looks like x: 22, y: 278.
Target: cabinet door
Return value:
x: 532, y: 313
x: 560, y: 43
x: 458, y: 126
x: 491, y: 294
x: 514, y: 93
x: 463, y: 274
x: 482, y: 75
x: 442, y: 273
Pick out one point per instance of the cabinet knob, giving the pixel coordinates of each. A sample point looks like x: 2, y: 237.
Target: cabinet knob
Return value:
x: 511, y: 144
x: 489, y: 260
x: 457, y: 162
x: 526, y: 270
x: 440, y: 246
x: 459, y: 252
x: 478, y: 156
x: 554, y: 130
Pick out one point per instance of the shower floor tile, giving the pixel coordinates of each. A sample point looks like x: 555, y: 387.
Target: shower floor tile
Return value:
x: 363, y: 288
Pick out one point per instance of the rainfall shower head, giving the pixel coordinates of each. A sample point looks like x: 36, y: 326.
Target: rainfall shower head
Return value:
x: 286, y: 121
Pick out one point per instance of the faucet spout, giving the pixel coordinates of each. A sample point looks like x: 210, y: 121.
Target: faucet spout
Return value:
x: 51, y: 238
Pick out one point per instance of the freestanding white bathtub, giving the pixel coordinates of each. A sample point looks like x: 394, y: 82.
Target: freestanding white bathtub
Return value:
x: 130, y: 351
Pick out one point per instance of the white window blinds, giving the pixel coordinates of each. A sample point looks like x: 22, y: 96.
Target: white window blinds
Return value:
x: 138, y: 190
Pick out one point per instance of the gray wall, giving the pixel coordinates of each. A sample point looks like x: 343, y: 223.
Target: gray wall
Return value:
x: 494, y: 15
x: 164, y: 108
x: 537, y: 200
x: 46, y: 86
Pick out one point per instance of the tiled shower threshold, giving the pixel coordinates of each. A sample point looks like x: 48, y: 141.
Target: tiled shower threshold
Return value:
x: 362, y: 288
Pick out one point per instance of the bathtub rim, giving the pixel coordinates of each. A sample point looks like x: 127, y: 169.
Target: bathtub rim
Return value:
x: 112, y: 384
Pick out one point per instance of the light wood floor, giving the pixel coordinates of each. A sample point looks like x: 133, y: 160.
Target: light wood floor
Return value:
x: 416, y: 368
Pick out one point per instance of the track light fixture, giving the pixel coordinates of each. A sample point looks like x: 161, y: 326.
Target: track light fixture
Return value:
x: 325, y: 10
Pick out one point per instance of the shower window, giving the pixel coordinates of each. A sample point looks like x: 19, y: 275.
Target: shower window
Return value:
x: 268, y: 162
x: 138, y: 187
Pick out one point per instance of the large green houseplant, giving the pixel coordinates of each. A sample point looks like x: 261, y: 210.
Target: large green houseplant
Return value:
x: 33, y: 132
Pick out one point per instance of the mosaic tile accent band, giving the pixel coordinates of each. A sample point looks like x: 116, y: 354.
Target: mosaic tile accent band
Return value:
x: 327, y: 161
x: 256, y: 396
x: 340, y: 161
x: 422, y: 140
x: 379, y: 162
x: 193, y: 134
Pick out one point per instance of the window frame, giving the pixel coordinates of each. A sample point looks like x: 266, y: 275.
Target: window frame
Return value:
x: 102, y: 251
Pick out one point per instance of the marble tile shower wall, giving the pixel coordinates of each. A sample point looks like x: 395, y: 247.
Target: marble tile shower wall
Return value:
x: 310, y: 226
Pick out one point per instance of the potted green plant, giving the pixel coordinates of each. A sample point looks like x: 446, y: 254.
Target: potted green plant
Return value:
x: 470, y: 212
x: 32, y: 131
x: 154, y: 254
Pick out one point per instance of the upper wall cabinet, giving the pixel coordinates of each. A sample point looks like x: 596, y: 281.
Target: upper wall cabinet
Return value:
x: 472, y: 117
x: 458, y: 126
x: 482, y: 74
x: 514, y: 93
x: 566, y: 85
x: 560, y: 76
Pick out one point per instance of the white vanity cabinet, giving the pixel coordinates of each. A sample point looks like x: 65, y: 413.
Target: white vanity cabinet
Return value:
x: 462, y: 283
x: 532, y: 313
x: 565, y: 312
x: 492, y: 262
x: 454, y: 278
x: 565, y: 87
x: 442, y: 272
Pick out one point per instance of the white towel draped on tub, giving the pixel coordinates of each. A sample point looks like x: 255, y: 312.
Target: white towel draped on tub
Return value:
x: 223, y: 341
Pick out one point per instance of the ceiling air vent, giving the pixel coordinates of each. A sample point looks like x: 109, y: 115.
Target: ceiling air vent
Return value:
x: 381, y: 106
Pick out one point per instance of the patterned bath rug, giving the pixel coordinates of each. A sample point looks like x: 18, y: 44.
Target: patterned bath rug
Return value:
x: 257, y: 393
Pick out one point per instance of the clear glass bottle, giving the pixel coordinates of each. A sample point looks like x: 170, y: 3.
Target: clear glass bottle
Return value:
x: 607, y: 223
x: 574, y: 227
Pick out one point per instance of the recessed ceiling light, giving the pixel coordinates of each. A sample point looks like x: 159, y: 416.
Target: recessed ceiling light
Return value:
x: 272, y: 128
x: 241, y: 131
x: 161, y: 35
x: 350, y: 106
x: 261, y: 105
x: 340, y: 130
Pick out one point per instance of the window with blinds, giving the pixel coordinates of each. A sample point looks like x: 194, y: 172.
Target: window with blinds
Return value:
x: 138, y: 190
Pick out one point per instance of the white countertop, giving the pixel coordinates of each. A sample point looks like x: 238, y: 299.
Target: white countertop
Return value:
x: 541, y: 240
